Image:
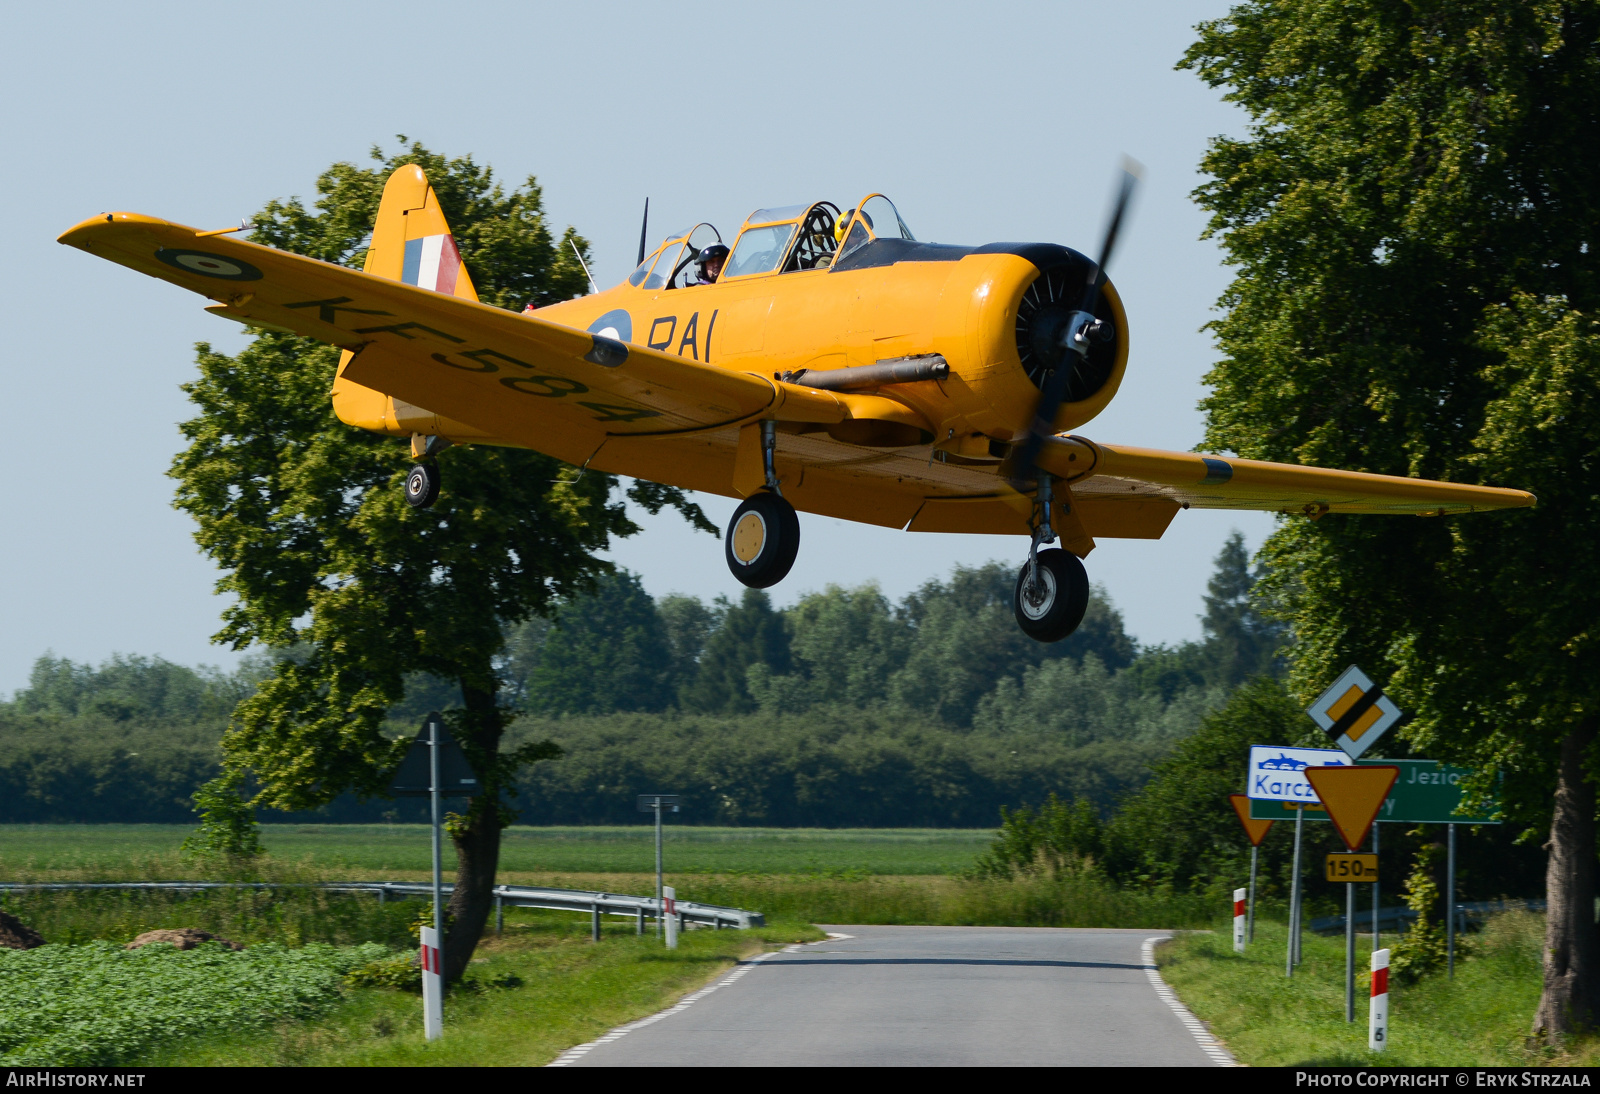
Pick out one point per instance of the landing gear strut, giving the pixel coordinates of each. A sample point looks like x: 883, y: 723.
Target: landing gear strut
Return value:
x: 1053, y: 588
x: 764, y: 535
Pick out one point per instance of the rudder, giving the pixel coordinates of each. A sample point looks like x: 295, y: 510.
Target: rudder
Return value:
x: 411, y: 242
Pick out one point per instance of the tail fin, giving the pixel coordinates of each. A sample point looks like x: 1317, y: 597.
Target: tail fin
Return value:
x: 411, y: 242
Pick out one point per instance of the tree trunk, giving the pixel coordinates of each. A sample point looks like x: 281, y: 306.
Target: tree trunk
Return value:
x: 477, y: 842
x: 1572, y: 946
x: 478, y: 860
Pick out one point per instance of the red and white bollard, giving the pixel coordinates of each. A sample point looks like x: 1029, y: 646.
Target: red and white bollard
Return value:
x: 671, y: 912
x: 1239, y: 909
x: 1378, y: 1016
x: 432, y: 986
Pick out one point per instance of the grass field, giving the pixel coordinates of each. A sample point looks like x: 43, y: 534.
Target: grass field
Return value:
x: 1482, y: 1017
x: 571, y: 991
x: 381, y: 851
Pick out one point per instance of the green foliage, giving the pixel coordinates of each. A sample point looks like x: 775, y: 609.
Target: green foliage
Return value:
x: 1057, y: 837
x: 306, y: 518
x: 1480, y: 1017
x: 294, y: 913
x: 1424, y: 947
x: 98, y: 1004
x: 1411, y: 215
x: 822, y: 766
x: 1175, y: 830
x: 227, y: 822
x: 738, y: 640
x: 607, y: 651
x: 400, y: 972
x: 1179, y: 828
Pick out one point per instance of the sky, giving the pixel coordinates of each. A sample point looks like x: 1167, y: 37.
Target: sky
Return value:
x: 982, y: 123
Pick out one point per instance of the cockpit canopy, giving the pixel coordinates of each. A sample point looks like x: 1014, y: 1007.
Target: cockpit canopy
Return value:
x: 784, y: 239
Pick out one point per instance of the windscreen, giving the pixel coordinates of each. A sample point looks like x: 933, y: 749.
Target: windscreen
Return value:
x: 759, y: 250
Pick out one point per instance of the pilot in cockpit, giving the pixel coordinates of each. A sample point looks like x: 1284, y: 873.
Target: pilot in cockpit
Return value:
x: 709, y: 262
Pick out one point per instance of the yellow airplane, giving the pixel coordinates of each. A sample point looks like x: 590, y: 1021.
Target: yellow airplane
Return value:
x: 836, y: 365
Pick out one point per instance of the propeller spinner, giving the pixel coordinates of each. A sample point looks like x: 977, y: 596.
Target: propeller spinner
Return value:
x: 1080, y: 329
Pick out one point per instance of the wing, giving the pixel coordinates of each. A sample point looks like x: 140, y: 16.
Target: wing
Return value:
x: 519, y: 378
x: 1106, y: 473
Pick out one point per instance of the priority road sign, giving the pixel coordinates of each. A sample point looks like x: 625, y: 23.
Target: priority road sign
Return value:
x: 1354, y: 712
x: 1353, y: 796
x: 1359, y: 867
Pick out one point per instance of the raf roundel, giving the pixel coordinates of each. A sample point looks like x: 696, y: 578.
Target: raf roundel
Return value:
x: 209, y: 265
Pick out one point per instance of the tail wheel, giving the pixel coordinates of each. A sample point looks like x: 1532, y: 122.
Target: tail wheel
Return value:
x: 422, y: 486
x: 1051, y: 607
x: 762, y: 541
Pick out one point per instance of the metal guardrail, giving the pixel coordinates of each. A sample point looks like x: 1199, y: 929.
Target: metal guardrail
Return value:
x: 517, y: 896
x: 1393, y: 919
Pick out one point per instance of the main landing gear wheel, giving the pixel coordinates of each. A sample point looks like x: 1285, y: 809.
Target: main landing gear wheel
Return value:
x: 1052, y: 607
x: 422, y: 486
x: 762, y: 541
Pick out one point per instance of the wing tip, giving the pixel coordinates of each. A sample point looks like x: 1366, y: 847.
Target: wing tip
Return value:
x: 102, y: 223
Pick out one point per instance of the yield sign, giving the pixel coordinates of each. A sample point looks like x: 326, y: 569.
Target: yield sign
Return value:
x: 1354, y: 712
x: 1256, y: 829
x: 1352, y: 796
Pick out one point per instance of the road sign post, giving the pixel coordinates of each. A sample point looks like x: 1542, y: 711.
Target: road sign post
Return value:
x: 670, y: 909
x: 1256, y: 831
x: 1352, y: 796
x: 1238, y: 920
x: 1450, y: 904
x: 658, y: 803
x: 1375, y: 943
x: 1293, y: 948
x: 436, y: 767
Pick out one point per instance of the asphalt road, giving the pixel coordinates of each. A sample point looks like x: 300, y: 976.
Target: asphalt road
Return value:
x: 925, y: 996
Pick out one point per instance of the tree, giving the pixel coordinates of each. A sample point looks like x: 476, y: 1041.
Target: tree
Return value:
x: 319, y: 551
x: 1241, y: 643
x: 607, y: 651
x: 1412, y: 216
x: 749, y: 634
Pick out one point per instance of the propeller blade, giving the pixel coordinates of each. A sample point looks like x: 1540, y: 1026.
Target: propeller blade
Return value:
x: 643, y: 230
x: 1020, y: 463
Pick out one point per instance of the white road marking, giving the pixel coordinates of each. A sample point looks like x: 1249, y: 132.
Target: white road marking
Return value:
x: 578, y: 1052
x: 1208, y: 1044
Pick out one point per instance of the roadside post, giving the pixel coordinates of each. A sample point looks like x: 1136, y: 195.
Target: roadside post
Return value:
x: 1256, y: 831
x: 1378, y: 1008
x: 670, y: 911
x: 1450, y: 904
x: 1352, y: 797
x: 434, y: 766
x: 1294, y: 896
x: 432, y: 986
x: 1238, y: 919
x: 657, y: 803
x: 1375, y: 943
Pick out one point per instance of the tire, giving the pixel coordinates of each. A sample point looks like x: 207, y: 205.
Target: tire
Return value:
x: 762, y: 541
x: 422, y: 486
x: 1057, y: 613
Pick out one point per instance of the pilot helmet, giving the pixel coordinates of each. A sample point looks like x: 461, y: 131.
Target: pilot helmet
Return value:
x: 714, y: 253
x: 841, y: 224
